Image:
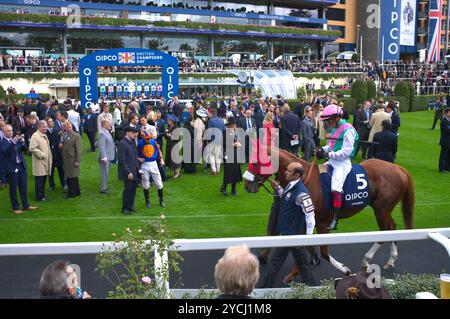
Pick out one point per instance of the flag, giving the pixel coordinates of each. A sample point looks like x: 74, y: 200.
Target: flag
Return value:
x: 434, y: 31
x: 126, y: 57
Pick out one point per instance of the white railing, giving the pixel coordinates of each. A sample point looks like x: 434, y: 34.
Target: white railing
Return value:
x: 440, y: 235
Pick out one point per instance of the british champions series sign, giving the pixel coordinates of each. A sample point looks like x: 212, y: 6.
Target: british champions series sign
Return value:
x: 126, y: 58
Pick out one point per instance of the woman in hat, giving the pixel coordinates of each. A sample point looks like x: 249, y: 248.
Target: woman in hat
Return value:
x: 199, y: 124
x: 232, y: 167
x: 172, y: 125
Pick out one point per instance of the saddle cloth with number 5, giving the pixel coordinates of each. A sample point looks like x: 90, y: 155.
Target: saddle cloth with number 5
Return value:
x: 356, y: 188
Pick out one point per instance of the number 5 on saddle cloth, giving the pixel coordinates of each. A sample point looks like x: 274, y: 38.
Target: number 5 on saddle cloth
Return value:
x: 356, y: 188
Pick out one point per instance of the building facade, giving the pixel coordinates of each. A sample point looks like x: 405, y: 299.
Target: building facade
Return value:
x: 246, y: 29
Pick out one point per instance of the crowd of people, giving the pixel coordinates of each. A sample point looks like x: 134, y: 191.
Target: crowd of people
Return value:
x: 135, y: 136
x: 51, y: 134
x: 428, y: 78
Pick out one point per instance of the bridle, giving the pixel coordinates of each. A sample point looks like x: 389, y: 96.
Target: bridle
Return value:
x: 259, y: 179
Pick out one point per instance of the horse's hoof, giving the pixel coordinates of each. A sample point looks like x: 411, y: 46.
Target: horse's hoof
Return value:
x: 389, y: 266
x: 347, y: 271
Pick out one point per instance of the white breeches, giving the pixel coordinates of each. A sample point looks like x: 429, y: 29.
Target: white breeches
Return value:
x: 340, y: 172
x: 215, y: 156
x: 151, y: 169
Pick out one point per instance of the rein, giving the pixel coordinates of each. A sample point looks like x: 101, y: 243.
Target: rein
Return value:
x: 310, y: 171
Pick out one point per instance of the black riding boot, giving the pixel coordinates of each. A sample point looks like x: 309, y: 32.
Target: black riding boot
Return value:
x: 233, y: 189
x: 161, y: 198
x: 147, y: 198
x: 223, y: 189
x: 334, y: 222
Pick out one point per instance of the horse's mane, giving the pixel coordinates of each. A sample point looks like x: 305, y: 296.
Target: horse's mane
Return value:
x: 294, y: 158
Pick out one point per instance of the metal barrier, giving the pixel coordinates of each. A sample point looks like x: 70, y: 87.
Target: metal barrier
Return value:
x: 440, y: 235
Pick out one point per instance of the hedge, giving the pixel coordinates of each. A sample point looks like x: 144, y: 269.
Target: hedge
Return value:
x: 325, y: 91
x: 371, y: 90
x: 359, y: 91
x: 420, y: 103
x: 402, y: 88
x: 246, y: 28
x: 50, y: 19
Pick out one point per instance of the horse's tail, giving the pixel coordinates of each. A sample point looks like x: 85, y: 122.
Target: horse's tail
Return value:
x: 408, y: 201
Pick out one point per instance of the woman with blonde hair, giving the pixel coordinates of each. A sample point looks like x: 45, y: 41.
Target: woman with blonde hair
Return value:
x: 269, y: 129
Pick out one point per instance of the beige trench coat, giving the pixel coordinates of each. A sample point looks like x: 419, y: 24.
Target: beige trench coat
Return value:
x: 41, y: 154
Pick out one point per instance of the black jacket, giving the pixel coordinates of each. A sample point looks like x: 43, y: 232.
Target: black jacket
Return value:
x: 395, y: 122
x: 290, y: 126
x: 387, y: 146
x: 90, y: 125
x: 445, y: 132
x: 8, y: 153
x: 128, y: 162
x: 55, y: 138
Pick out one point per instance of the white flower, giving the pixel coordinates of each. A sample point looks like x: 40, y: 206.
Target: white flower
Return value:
x: 128, y: 230
x: 162, y: 230
x: 114, y: 234
x: 162, y: 216
x: 139, y: 230
x: 146, y: 280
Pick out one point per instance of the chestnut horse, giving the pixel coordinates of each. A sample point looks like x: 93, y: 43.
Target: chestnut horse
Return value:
x: 388, y: 184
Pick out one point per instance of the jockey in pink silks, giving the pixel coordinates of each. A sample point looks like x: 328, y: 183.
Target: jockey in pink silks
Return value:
x: 340, y: 148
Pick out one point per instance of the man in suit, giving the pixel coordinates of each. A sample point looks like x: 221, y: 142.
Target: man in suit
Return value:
x: 54, y: 137
x: 47, y: 111
x: 395, y: 118
x: 2, y: 174
x: 71, y: 147
x: 106, y: 153
x: 160, y: 128
x: 216, y: 128
x: 362, y: 120
x: 385, y: 143
x: 41, y: 158
x: 290, y: 132
x: 19, y: 123
x: 295, y: 217
x: 128, y: 169
x: 444, y: 157
x: 104, y: 115
x: 308, y: 134
x: 90, y: 127
x: 15, y: 168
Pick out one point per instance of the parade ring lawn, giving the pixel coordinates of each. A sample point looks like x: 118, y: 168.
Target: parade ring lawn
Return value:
x: 196, y: 209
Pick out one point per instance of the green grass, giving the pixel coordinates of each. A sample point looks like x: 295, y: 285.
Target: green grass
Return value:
x: 196, y: 209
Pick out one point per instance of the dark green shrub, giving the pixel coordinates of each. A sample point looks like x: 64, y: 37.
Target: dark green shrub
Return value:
x: 359, y: 91
x: 371, y: 90
x: 402, y: 89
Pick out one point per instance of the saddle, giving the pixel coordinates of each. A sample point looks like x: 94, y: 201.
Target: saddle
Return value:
x: 355, y: 190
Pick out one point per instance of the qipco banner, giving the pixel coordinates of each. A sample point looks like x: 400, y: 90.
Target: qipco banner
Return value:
x: 390, y: 29
x: 126, y: 57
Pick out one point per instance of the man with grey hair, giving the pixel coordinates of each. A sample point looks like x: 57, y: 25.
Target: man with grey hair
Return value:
x: 308, y: 134
x: 41, y: 154
x: 106, y: 153
x: 14, y: 167
x: 236, y: 273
